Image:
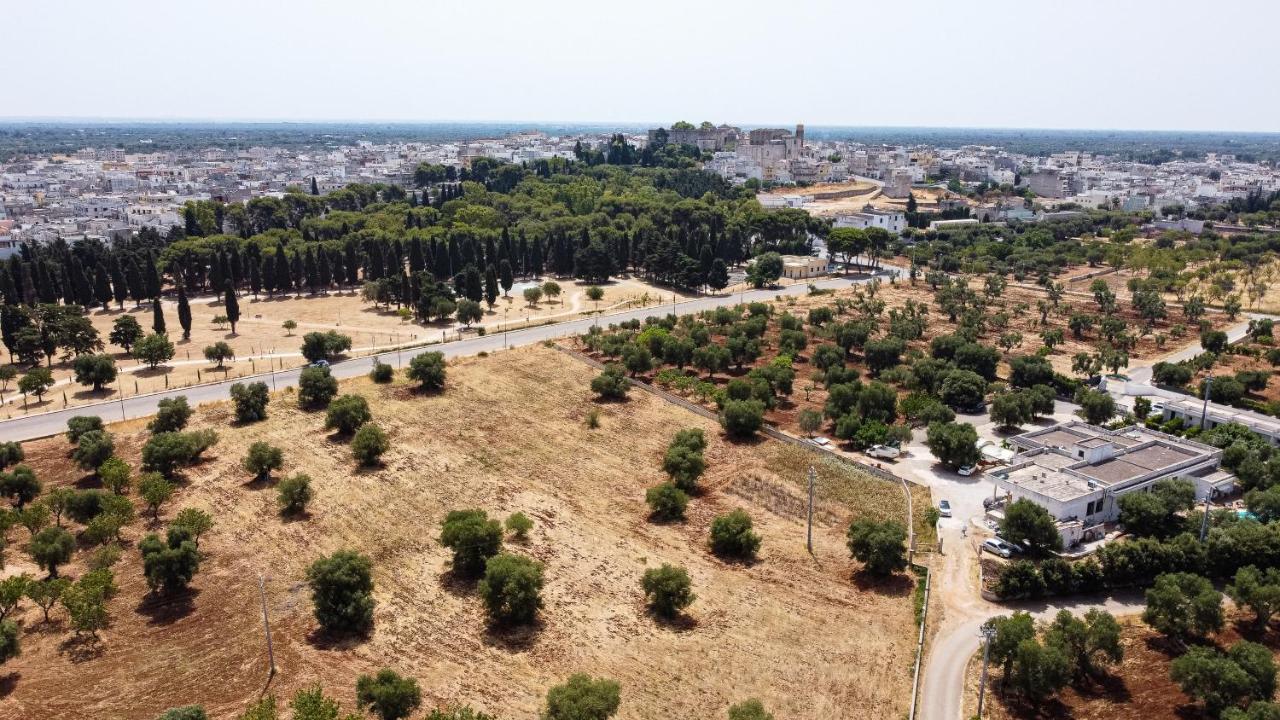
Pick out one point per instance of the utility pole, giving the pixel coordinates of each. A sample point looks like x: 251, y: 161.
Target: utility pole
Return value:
x: 1204, y: 522
x: 988, y: 633
x: 266, y: 627
x: 812, y: 479
x: 1204, y: 411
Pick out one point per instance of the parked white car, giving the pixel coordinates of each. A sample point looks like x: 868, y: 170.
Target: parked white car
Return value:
x: 884, y: 452
x: 967, y: 470
x: 820, y: 441
x: 944, y: 508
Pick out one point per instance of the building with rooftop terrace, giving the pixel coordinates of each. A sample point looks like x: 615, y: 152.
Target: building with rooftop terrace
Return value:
x: 1078, y: 471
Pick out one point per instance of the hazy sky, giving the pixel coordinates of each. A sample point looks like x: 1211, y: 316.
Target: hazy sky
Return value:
x: 1132, y: 64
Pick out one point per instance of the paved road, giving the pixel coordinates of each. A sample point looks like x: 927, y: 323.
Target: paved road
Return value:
x: 34, y: 426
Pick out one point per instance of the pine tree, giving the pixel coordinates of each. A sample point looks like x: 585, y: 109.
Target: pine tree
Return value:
x: 232, y: 306
x: 157, y: 317
x: 184, y: 312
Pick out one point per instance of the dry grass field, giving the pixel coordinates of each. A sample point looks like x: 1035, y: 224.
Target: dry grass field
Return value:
x: 261, y: 343
x: 808, y: 635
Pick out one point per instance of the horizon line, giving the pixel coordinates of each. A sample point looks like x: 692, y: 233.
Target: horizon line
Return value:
x: 105, y: 120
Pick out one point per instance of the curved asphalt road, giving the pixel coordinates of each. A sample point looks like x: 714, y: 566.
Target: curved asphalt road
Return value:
x: 51, y: 423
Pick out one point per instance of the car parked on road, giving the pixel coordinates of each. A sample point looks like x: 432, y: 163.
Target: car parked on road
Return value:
x: 884, y: 452
x: 944, y: 508
x: 996, y: 546
x: 319, y: 364
x: 820, y: 441
x: 967, y: 470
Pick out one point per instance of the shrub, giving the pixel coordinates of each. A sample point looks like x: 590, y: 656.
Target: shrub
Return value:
x: 79, y: 425
x: 170, y: 564
x: 583, y: 698
x: 667, y: 589
x: 611, y: 383
x: 326, y: 345
x: 880, y: 546
x: 347, y: 414
x: 186, y: 712
x: 666, y: 502
x: 428, y: 370
x: 519, y: 525
x: 294, y: 493
x: 250, y: 401
x: 742, y: 418
x: 369, y: 444
x: 751, y: 709
x: 261, y: 459
x: 473, y: 537
x: 731, y: 536
x: 342, y: 592
x: 381, y: 372
x: 388, y: 695
x: 684, y: 465
x: 316, y: 387
x: 172, y: 415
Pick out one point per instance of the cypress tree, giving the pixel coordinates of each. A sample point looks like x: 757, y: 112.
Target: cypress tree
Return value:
x: 280, y: 274
x: 490, y: 285
x: 313, y: 272
x: 102, y: 287
x: 352, y: 264
x: 474, y: 291
x: 315, y: 188
x: 184, y: 312
x: 255, y: 278
x: 416, y: 262
x: 505, y: 276
x: 217, y: 271
x: 157, y: 317
x: 152, y: 277
x: 297, y: 273
x: 137, y: 290
x: 232, y: 307
x: 326, y: 272
x: 118, y: 284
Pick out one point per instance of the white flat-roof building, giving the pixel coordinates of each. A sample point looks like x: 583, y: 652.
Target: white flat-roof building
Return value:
x: 1194, y: 412
x: 1077, y: 471
x: 799, y: 267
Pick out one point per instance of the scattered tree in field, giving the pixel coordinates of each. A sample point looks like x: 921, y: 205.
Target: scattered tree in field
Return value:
x: 953, y: 444
x: 369, y: 444
x: 342, y: 592
x: 50, y: 548
x: 532, y: 295
x: 261, y: 459
x: 583, y: 697
x: 473, y: 538
x: 742, y: 418
x: 79, y: 425
x: 219, y: 353
x: 36, y: 382
x: 250, y: 401
x: 46, y: 593
x: 810, y: 421
x: 95, y: 370
x: 11, y: 453
x: 428, y: 370
x: 1246, y: 672
x: 155, y: 491
x: 186, y: 712
x: 169, y: 564
x: 1096, y: 406
x: 732, y: 536
x: 34, y: 517
x: 1183, y: 606
x: 1087, y: 643
x: 85, y: 601
x: 316, y: 387
x: 519, y: 525
x: 1257, y: 590
x: 1037, y: 671
x: 327, y: 345
x: 310, y: 703
x: 12, y: 590
x: 93, y: 449
x: 666, y: 502
x: 469, y: 312
x: 683, y: 462
x: 194, y: 521
x: 126, y: 331
x: 1009, y: 632
x: 20, y: 485
x: 294, y: 494
x: 347, y: 414
x: 511, y: 588
x: 1027, y: 524
x: 388, y: 695
x: 154, y: 350
x: 165, y: 452
x: 172, y: 415
x: 881, y: 547
x: 667, y: 589
x: 289, y: 326
x: 611, y: 383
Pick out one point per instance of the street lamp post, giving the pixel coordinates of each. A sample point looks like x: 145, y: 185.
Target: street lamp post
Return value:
x: 1204, y: 410
x: 988, y: 633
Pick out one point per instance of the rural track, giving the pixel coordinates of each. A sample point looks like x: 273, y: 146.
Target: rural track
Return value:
x: 53, y: 422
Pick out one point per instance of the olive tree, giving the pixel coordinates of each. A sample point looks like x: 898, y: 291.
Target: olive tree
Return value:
x: 667, y: 589
x: 473, y: 537
x: 342, y: 592
x: 511, y: 588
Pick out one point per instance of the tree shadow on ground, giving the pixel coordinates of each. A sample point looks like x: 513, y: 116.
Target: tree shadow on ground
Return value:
x: 895, y: 585
x: 322, y: 639
x: 91, y: 394
x: 678, y: 623
x: 513, y: 638
x: 167, y: 609
x: 153, y: 372
x: 8, y: 682
x: 1104, y: 685
x: 457, y: 584
x: 81, y: 648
